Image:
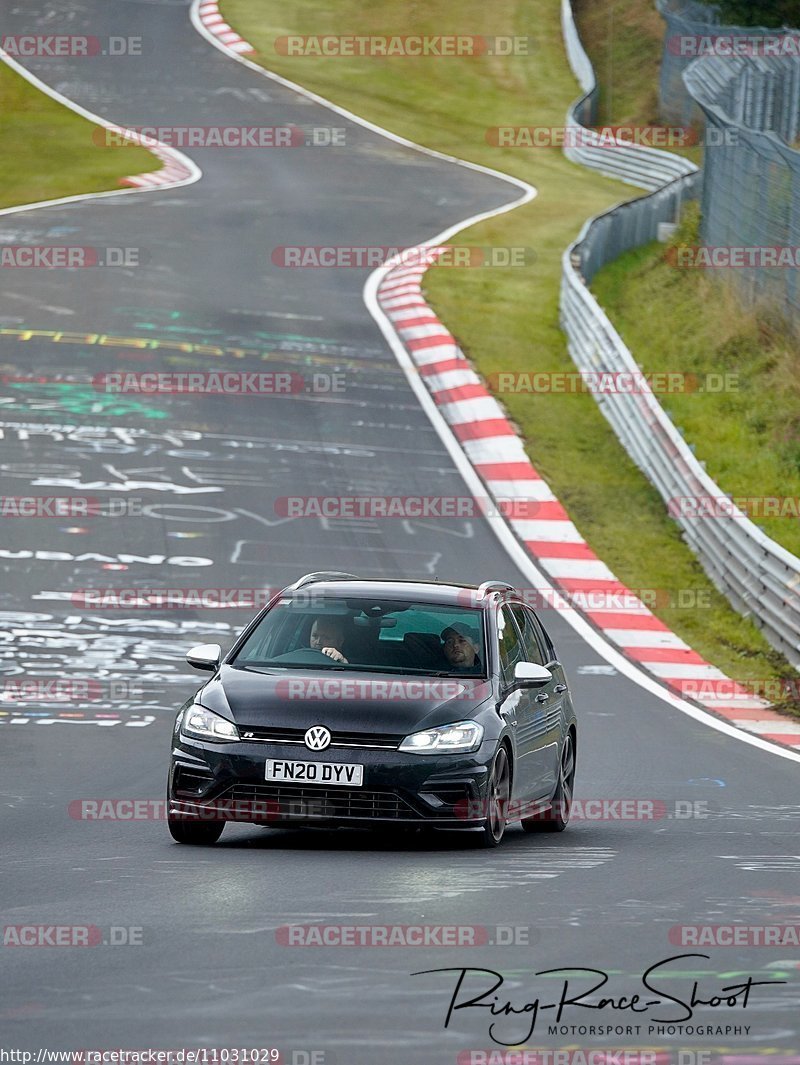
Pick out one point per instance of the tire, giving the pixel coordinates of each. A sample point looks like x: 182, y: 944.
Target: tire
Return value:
x: 557, y: 818
x: 498, y: 793
x: 197, y: 833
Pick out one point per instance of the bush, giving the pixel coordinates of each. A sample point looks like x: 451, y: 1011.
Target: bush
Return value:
x: 773, y: 13
x: 688, y: 231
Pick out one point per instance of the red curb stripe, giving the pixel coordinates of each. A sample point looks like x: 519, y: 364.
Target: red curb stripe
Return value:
x: 455, y: 395
x: 733, y: 712
x: 624, y: 620
x: 544, y: 549
x: 432, y: 368
x: 441, y: 340
x: 550, y: 510
x: 507, y: 471
x: 412, y: 323
x: 666, y: 654
x: 481, y: 430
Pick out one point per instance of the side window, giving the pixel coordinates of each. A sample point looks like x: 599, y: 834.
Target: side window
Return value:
x: 511, y: 649
x: 533, y: 650
x: 544, y: 639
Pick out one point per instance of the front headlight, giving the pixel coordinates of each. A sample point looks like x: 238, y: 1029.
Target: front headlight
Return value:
x: 202, y: 724
x: 461, y: 737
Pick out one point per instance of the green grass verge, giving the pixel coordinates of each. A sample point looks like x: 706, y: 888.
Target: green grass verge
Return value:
x: 624, y: 40
x: 47, y: 151
x: 507, y: 320
x: 748, y: 432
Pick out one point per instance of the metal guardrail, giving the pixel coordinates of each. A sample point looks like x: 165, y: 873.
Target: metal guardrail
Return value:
x: 751, y: 193
x: 760, y: 578
x: 692, y: 26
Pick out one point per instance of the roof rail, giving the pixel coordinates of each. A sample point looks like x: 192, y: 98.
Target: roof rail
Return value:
x: 323, y: 575
x: 494, y: 586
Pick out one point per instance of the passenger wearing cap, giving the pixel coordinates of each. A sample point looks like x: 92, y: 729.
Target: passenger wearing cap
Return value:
x: 460, y: 646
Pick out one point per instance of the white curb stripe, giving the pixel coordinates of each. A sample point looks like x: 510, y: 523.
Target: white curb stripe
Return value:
x: 471, y: 410
x: 551, y: 530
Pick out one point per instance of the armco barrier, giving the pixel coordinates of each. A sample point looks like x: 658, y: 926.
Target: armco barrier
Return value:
x: 759, y: 577
x: 647, y: 168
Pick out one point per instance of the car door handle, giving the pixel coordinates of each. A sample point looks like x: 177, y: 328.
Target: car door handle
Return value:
x: 542, y: 698
x: 560, y: 688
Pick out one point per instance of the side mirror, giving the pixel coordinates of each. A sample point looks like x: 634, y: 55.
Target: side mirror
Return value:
x: 205, y: 656
x: 530, y: 675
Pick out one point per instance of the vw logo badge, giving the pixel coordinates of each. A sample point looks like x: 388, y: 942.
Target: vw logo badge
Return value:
x: 317, y: 738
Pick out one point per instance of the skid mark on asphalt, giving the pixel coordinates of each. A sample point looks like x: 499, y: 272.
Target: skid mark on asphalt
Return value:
x: 765, y: 863
x: 469, y: 874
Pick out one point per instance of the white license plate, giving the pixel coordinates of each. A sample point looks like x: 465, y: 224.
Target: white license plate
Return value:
x: 348, y: 774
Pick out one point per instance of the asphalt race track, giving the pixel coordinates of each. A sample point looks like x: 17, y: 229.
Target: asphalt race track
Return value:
x: 206, y: 968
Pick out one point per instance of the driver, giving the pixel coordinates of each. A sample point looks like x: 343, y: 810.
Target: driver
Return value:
x: 327, y: 636
x: 460, y: 647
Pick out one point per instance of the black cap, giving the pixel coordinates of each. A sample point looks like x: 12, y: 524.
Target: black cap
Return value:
x: 461, y: 629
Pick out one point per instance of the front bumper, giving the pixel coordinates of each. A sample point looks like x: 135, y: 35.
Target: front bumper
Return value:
x: 226, y: 782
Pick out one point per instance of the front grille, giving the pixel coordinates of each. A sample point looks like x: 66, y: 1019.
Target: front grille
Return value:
x: 383, y: 741
x: 297, y: 802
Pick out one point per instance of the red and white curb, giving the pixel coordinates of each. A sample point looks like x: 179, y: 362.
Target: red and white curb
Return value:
x: 213, y: 21
x: 497, y: 454
x: 175, y: 168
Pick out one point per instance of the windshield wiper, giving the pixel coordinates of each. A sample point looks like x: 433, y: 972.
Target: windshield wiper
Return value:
x: 288, y: 665
x: 460, y: 676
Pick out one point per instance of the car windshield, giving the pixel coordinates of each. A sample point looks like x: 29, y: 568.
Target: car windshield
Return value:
x: 371, y: 635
